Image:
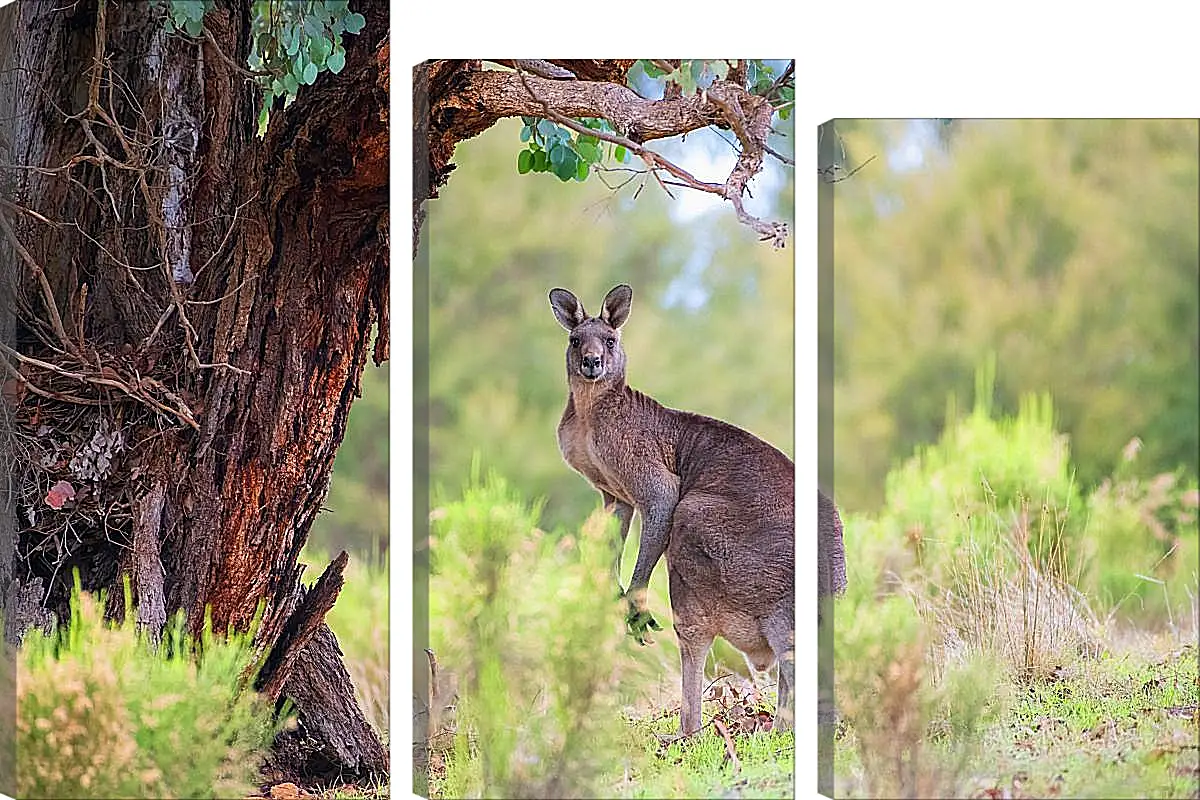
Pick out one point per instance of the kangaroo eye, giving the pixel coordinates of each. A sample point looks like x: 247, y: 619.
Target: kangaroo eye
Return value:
x: 611, y: 342
x: 574, y: 341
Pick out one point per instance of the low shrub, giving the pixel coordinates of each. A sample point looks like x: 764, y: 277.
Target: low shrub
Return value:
x: 101, y: 712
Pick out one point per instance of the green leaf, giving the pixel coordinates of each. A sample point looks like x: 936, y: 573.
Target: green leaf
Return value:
x: 588, y: 151
x: 194, y: 27
x: 524, y: 161
x: 685, y: 78
x: 565, y: 170
x: 581, y: 172
x: 548, y: 130
x: 336, y: 61
x: 651, y: 70
x: 318, y: 50
x: 191, y: 10
x: 540, y: 161
x: 264, y: 115
x: 290, y: 84
x: 526, y: 133
x: 321, y: 12
x: 291, y: 39
x: 720, y: 68
x: 621, y: 154
x: 313, y: 27
x: 310, y: 73
x: 355, y: 22
x: 557, y: 154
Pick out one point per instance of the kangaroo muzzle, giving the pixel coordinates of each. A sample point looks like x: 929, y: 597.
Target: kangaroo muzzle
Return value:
x: 592, y: 367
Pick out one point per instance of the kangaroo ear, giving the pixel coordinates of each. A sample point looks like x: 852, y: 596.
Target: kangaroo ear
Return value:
x: 567, y: 308
x: 617, y: 304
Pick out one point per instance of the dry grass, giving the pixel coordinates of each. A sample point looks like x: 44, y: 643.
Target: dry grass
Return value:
x: 997, y: 601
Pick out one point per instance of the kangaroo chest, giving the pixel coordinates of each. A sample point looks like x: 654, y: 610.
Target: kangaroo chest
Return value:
x: 579, y: 444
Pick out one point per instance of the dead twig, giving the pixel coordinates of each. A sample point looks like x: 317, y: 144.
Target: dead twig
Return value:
x: 730, y: 751
x: 47, y: 292
x: 830, y: 173
x: 109, y: 377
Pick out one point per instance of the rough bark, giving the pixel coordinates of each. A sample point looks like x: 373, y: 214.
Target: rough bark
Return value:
x: 200, y: 303
x: 457, y: 100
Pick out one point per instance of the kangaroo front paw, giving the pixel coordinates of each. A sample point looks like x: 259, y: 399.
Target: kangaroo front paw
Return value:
x: 639, y: 620
x: 638, y: 623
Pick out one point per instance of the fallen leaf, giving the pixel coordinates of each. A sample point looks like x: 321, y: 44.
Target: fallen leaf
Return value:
x: 285, y: 791
x: 59, y: 494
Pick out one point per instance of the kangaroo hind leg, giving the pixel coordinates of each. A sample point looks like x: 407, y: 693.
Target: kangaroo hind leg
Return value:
x: 780, y: 630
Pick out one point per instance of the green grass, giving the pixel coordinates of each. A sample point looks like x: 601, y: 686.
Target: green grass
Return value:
x: 700, y: 765
x: 1115, y: 727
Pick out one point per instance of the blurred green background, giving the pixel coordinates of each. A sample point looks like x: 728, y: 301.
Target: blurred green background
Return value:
x: 1068, y: 248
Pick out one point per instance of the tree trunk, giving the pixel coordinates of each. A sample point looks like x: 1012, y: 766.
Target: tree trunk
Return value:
x: 194, y: 309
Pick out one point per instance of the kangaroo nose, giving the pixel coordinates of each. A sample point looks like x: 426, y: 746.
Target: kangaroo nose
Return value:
x: 591, y: 362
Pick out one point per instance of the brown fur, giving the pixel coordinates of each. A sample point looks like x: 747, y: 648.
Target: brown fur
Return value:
x: 715, y: 499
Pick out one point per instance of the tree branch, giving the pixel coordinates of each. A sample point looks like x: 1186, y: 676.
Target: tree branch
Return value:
x: 781, y: 80
x: 543, y: 69
x: 729, y: 101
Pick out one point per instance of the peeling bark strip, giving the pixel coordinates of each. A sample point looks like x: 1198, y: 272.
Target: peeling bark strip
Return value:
x: 148, y: 572
x: 306, y: 665
x: 456, y: 100
x: 347, y: 745
x: 180, y: 145
x: 215, y: 295
x: 301, y: 626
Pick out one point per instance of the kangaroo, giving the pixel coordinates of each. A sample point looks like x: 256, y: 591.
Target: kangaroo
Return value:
x: 716, y: 500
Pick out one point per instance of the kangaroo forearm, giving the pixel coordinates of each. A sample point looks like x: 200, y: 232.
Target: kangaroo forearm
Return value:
x: 651, y: 547
x: 624, y: 513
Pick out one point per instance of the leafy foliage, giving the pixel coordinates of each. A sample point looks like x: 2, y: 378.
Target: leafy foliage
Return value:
x: 291, y: 41
x: 989, y: 482
x: 517, y: 615
x: 553, y: 148
x: 690, y: 75
x: 187, y: 16
x: 694, y: 75
x: 294, y: 42
x: 976, y: 658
